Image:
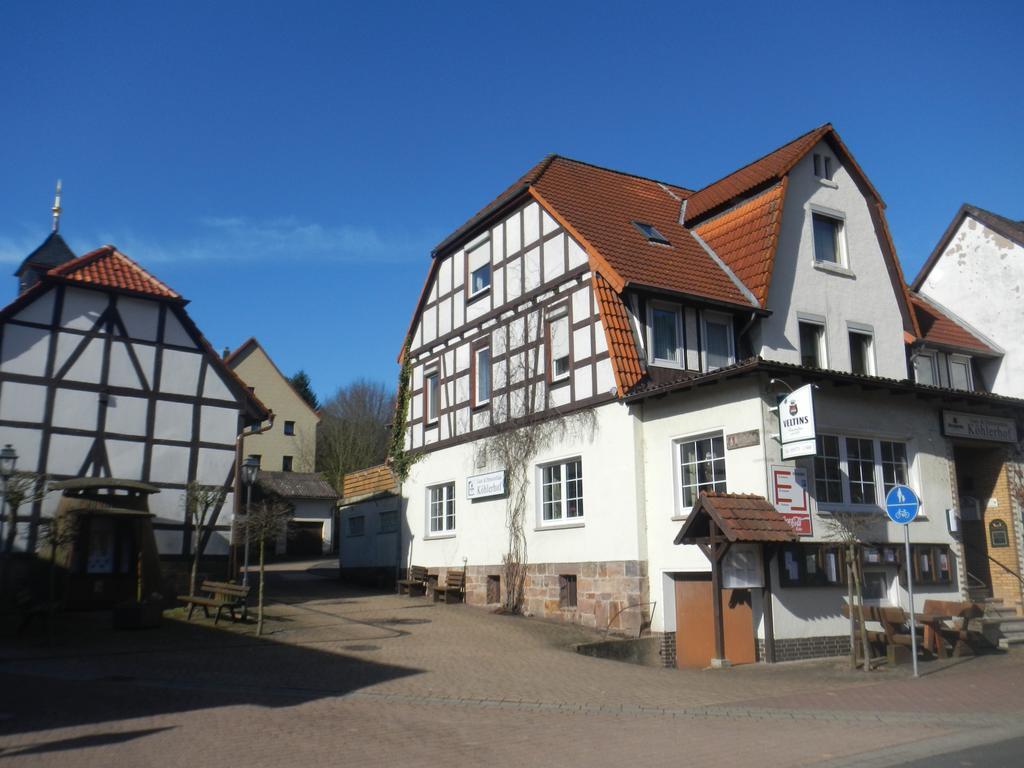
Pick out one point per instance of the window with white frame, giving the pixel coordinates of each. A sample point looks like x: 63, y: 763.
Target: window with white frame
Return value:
x: 441, y: 504
x: 858, y: 471
x: 432, y: 393
x: 862, y: 352
x: 701, y: 467
x: 666, y: 330
x: 718, y: 341
x: 479, y: 280
x: 925, y: 370
x: 561, y: 491
x: 828, y: 239
x: 823, y: 166
x: 812, y: 344
x: 558, y: 347
x: 960, y: 372
x: 481, y: 375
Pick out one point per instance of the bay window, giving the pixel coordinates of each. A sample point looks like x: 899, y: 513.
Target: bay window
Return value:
x: 666, y: 333
x: 718, y: 342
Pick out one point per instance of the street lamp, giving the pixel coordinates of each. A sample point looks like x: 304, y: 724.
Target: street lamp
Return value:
x: 250, y: 468
x: 8, y: 460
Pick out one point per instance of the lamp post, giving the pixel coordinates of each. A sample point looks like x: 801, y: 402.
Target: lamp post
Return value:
x: 8, y: 461
x: 250, y: 468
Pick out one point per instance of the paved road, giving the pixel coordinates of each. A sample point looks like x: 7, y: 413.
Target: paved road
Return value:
x: 345, y: 676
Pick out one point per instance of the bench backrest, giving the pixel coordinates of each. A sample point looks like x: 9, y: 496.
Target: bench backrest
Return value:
x: 956, y: 608
x: 225, y: 588
x: 889, y: 618
x: 417, y: 573
x: 455, y: 579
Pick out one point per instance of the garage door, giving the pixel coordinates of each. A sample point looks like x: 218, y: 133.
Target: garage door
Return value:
x: 305, y: 539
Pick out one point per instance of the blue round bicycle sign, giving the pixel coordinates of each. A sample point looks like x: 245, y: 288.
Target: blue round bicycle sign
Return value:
x: 902, y: 504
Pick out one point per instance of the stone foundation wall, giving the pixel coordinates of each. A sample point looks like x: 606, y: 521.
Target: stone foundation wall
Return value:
x: 605, y: 592
x: 794, y: 649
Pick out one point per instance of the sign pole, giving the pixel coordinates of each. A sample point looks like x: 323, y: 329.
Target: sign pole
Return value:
x: 910, y: 589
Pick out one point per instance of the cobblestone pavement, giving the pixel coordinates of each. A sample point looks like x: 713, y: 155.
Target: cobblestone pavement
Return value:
x: 343, y: 676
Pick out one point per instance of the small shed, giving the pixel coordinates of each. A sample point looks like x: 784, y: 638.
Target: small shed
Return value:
x: 107, y: 548
x: 311, y: 529
x: 717, y: 522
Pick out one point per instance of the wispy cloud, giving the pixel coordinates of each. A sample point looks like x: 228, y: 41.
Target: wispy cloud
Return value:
x: 228, y: 238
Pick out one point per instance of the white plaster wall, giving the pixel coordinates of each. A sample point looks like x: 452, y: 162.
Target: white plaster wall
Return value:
x: 862, y: 294
x: 374, y: 548
x: 980, y: 277
x: 24, y: 350
x: 82, y: 308
x: 609, y: 530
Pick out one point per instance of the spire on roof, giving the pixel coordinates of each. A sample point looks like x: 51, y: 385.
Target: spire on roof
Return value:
x: 56, y: 208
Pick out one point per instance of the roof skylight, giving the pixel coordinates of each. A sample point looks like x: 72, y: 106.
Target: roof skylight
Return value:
x: 651, y: 233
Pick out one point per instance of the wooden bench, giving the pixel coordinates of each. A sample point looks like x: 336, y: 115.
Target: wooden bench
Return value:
x: 415, y: 581
x: 454, y: 584
x: 219, y: 595
x: 953, y: 630
x: 894, y: 637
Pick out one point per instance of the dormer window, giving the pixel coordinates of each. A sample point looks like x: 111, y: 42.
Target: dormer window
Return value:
x: 480, y: 280
x: 960, y: 373
x: 823, y: 167
x: 651, y: 233
x: 666, y: 328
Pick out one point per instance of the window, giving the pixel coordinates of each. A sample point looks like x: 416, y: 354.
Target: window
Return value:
x: 387, y: 522
x: 812, y: 344
x: 823, y: 167
x: 357, y: 525
x: 558, y: 348
x: 481, y: 375
x: 924, y: 369
x: 960, y: 372
x: 480, y: 280
x: 862, y: 354
x: 432, y: 390
x: 848, y: 470
x: 718, y: 345
x: 441, y: 500
x: 289, y: 427
x: 561, y: 488
x: 828, y: 480
x: 701, y: 467
x: 567, y: 591
x: 827, y: 239
x: 286, y: 463
x: 812, y: 565
x: 666, y: 324
x: 894, y: 465
x: 876, y: 585
x: 651, y: 233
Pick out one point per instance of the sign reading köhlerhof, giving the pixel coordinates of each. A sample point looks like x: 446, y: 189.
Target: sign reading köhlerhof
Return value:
x: 978, y: 427
x: 486, y: 485
x: 789, y: 495
x: 796, y: 423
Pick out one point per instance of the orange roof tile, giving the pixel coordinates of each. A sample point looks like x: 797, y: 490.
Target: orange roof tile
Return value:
x: 109, y: 268
x: 745, y: 238
x: 626, y: 362
x: 598, y: 206
x: 774, y: 165
x: 938, y: 327
x: 740, y: 516
x: 378, y: 479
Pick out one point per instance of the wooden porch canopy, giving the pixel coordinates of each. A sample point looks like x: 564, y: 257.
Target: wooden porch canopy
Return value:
x: 717, y: 521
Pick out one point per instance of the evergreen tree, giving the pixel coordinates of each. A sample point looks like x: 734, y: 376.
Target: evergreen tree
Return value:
x: 300, y: 383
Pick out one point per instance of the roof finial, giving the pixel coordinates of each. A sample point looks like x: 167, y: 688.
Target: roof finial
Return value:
x: 56, y: 208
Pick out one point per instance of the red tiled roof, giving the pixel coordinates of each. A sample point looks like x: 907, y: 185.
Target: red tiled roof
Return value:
x: 740, y: 516
x: 937, y: 327
x: 109, y: 268
x: 745, y: 238
x: 598, y: 206
x: 378, y: 479
x: 774, y: 165
x: 626, y: 363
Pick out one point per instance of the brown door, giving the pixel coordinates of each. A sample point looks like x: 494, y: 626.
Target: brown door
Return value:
x: 695, y: 628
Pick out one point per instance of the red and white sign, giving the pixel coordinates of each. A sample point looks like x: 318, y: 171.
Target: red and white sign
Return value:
x: 789, y: 495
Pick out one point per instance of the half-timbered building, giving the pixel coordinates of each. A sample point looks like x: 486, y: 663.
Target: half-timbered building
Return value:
x: 678, y: 318
x: 104, y: 374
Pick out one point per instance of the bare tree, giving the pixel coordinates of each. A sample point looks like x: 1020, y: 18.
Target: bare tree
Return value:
x: 354, y: 430
x: 201, y: 502
x: 266, y: 522
x: 22, y: 488
x: 59, y: 534
x: 853, y: 530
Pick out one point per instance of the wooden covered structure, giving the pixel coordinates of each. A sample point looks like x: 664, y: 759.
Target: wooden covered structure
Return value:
x: 109, y: 551
x: 716, y: 522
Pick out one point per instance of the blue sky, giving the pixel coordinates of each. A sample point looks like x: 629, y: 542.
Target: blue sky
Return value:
x: 288, y: 166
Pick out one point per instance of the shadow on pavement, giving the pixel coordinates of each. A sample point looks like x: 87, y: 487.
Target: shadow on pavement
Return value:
x: 81, y: 742
x: 93, y: 674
